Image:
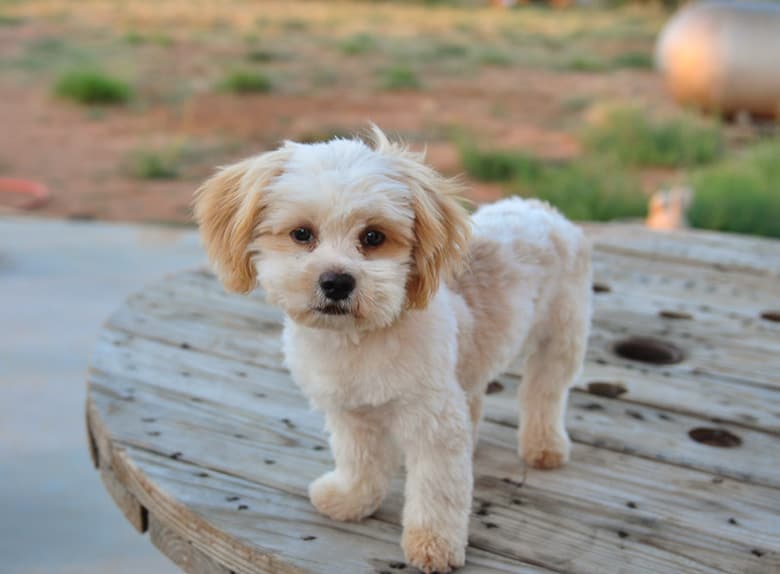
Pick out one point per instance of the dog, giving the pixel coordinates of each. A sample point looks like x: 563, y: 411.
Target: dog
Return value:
x: 400, y: 309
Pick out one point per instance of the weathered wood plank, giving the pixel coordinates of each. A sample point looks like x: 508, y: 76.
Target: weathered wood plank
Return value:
x: 225, y: 396
x: 280, y: 420
x: 287, y: 445
x: 278, y: 532
x: 135, y: 513
x: 607, y: 424
x: 181, y: 551
x: 652, y: 433
x: 722, y: 251
x: 171, y: 309
x: 192, y: 415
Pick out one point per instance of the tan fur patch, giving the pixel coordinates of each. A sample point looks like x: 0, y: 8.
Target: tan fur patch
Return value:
x: 441, y: 225
x: 546, y: 459
x: 227, y: 208
x: 279, y: 243
x: 430, y: 552
x: 395, y: 245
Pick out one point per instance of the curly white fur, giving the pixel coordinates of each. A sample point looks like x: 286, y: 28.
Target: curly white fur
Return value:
x: 438, y: 310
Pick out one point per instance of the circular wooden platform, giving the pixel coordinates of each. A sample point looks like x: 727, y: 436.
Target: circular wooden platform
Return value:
x: 202, y: 438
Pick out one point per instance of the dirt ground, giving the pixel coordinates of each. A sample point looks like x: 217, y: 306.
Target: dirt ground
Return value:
x: 505, y: 79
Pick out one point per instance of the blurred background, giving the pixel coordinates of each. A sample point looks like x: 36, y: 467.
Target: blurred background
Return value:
x: 115, y: 111
x: 121, y: 108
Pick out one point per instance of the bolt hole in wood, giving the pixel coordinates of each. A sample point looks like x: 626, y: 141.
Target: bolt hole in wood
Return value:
x: 715, y: 437
x: 648, y: 350
x: 494, y: 387
x: 771, y: 316
x: 675, y: 315
x: 601, y: 288
x: 604, y: 389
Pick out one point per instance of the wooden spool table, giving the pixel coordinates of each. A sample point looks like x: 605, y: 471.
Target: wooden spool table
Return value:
x: 202, y: 438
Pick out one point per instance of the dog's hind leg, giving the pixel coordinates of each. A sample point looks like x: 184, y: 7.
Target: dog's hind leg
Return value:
x: 556, y: 351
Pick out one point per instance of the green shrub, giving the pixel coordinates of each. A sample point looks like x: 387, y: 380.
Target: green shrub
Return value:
x: 629, y: 136
x: 494, y: 57
x: 450, y: 50
x: 153, y: 164
x: 160, y: 38
x: 498, y: 165
x: 588, y: 190
x: 358, y: 44
x: 134, y: 37
x: 247, y: 82
x: 400, y: 78
x: 637, y: 60
x: 6, y: 20
x: 584, y: 64
x: 261, y: 55
x: 92, y: 87
x: 741, y: 195
x: 295, y: 24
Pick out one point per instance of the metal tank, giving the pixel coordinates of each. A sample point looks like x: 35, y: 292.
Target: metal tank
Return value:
x: 724, y: 57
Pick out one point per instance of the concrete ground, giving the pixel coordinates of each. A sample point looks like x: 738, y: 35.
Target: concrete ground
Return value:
x: 58, y: 281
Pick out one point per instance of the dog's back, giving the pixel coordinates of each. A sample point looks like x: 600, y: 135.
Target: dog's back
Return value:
x: 521, y: 253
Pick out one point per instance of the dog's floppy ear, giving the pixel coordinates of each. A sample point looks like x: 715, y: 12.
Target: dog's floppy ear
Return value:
x: 442, y: 226
x: 227, y: 208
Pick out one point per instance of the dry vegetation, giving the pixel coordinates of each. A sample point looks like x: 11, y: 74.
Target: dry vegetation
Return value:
x: 121, y: 107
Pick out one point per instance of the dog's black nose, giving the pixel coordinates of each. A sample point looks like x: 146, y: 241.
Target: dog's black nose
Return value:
x: 336, y: 286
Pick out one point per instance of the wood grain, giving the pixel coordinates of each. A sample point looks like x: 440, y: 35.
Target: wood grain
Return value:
x: 192, y: 416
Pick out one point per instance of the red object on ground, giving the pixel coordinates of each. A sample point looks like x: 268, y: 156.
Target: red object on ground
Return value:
x: 39, y: 194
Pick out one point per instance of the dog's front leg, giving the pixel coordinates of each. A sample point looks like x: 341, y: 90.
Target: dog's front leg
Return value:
x: 365, y: 459
x: 437, y: 445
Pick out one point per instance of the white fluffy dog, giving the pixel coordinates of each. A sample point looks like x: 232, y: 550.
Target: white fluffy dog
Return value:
x: 400, y: 310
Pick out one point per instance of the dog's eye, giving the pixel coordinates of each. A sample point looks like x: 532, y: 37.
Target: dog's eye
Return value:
x: 372, y: 238
x: 302, y: 235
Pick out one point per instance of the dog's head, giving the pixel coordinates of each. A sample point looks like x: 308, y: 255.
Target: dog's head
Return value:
x: 343, y: 234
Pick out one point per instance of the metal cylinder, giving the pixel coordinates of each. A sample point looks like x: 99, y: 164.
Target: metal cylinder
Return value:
x: 723, y: 57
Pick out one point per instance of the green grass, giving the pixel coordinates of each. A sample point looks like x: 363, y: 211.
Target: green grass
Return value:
x: 584, y: 64
x: 295, y: 24
x: 588, y: 190
x: 154, y: 164
x: 92, y: 87
x: 576, y: 104
x: 137, y: 38
x: 585, y: 189
x: 450, y: 50
x: 494, y: 57
x: 6, y: 20
x: 400, y: 78
x: 632, y: 138
x: 262, y: 55
x: 498, y: 165
x: 635, y: 60
x: 358, y: 44
x: 740, y: 195
x: 244, y: 82
x: 54, y: 53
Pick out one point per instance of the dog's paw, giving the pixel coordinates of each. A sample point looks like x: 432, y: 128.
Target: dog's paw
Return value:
x: 430, y: 552
x: 545, y: 453
x: 336, y: 499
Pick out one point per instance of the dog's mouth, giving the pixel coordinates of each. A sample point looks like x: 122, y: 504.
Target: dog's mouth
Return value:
x: 332, y: 310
